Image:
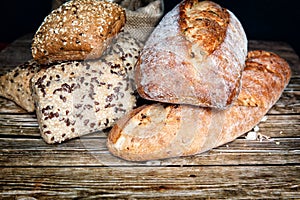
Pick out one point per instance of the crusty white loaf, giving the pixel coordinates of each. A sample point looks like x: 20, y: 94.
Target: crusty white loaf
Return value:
x: 161, y: 131
x: 195, y: 56
x: 77, y: 30
x: 76, y: 98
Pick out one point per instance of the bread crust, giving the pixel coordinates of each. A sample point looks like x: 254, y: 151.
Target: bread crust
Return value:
x: 204, y: 23
x: 77, y: 30
x: 195, y: 56
x: 161, y: 131
x: 15, y: 84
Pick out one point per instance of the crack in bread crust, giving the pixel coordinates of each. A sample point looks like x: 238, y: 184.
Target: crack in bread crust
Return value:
x: 204, y: 23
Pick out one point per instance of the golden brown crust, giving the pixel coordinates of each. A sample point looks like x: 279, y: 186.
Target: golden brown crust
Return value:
x: 78, y: 30
x: 263, y: 68
x: 204, y: 23
x: 181, y: 130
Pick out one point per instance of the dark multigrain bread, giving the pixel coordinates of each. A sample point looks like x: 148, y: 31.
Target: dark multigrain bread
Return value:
x: 77, y: 30
x: 75, y: 98
x: 15, y: 84
x: 161, y: 131
x: 195, y: 55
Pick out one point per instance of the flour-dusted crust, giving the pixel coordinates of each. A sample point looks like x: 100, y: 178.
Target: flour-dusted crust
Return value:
x: 15, y: 84
x: 161, y: 131
x: 272, y: 70
x: 76, y: 98
x: 77, y: 30
x: 195, y: 55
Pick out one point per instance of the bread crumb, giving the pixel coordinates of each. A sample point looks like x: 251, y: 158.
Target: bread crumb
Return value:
x: 264, y: 119
x: 256, y: 128
x: 262, y: 137
x: 252, y: 135
x: 281, y: 132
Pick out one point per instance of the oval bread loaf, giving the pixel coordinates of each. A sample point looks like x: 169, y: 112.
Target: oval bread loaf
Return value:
x: 161, y: 131
x: 195, y: 56
x: 77, y: 30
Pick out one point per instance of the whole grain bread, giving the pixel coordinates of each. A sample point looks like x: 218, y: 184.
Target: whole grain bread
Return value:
x: 75, y: 98
x: 77, y: 30
x: 195, y: 56
x: 15, y: 84
x: 161, y: 131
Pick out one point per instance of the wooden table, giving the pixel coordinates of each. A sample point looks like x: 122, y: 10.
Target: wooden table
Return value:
x: 83, y: 167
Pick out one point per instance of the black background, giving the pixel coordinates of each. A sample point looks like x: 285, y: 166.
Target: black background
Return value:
x: 276, y: 20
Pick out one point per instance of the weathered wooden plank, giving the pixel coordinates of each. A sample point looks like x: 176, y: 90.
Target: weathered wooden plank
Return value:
x: 16, y: 53
x: 233, y: 182
x: 19, y: 120
x: 93, y: 152
x: 8, y: 106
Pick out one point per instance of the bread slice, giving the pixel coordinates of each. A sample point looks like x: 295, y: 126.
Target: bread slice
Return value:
x: 77, y: 30
x: 161, y: 131
x: 195, y: 56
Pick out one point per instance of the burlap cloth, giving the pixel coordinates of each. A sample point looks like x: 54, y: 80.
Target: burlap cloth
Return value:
x: 142, y: 15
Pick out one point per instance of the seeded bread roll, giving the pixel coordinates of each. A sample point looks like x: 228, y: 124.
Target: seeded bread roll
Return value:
x: 76, y: 98
x: 15, y: 84
x: 195, y: 56
x: 77, y: 30
x: 161, y: 131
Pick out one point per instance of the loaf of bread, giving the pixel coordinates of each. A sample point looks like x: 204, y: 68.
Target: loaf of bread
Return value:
x: 161, y: 131
x: 76, y: 98
x: 15, y: 84
x: 77, y: 30
x: 195, y: 56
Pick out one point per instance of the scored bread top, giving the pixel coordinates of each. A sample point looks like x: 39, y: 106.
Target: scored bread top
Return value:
x: 77, y: 30
x: 262, y: 68
x: 204, y: 23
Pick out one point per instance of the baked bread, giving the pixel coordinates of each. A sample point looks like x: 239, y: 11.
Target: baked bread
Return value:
x: 15, y: 84
x: 195, y: 56
x: 77, y: 30
x: 161, y: 131
x: 76, y: 98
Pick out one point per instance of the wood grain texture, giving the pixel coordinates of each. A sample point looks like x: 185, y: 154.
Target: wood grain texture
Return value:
x: 83, y: 167
x: 186, y: 182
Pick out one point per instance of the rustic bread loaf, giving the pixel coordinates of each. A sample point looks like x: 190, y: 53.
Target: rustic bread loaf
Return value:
x: 195, y: 55
x: 15, y: 84
x: 77, y: 30
x: 76, y: 98
x: 161, y: 131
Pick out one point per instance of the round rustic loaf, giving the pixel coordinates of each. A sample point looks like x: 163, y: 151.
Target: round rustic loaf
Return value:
x: 195, y: 56
x: 77, y: 30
